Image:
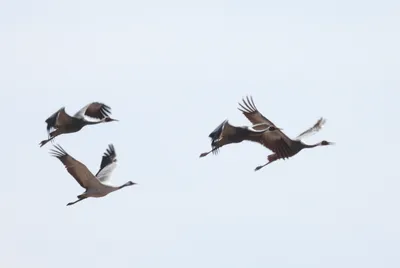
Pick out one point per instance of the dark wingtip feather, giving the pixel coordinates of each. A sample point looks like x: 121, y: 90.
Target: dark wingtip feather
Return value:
x: 51, y: 121
x: 109, y: 156
x: 110, y: 150
x: 247, y: 105
x: 105, y: 110
x: 217, y: 131
x: 101, y: 110
x: 216, y: 151
x: 215, y: 135
x: 58, y: 151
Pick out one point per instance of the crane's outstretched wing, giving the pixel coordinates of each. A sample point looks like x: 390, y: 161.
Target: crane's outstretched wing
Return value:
x: 249, y: 109
x: 312, y: 130
x: 95, y: 110
x: 79, y: 171
x: 226, y: 130
x: 273, y: 140
x: 108, y: 164
x: 58, y: 119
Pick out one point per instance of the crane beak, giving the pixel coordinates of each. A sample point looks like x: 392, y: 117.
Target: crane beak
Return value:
x: 109, y: 119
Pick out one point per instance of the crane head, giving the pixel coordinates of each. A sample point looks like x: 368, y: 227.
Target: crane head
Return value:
x: 129, y: 183
x: 273, y: 128
x: 109, y: 119
x: 324, y: 143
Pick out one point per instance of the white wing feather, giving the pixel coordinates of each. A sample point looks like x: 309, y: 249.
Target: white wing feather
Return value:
x: 312, y: 130
x: 81, y: 112
x: 105, y: 174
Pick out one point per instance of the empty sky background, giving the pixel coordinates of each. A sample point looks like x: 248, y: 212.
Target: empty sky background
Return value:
x: 172, y: 71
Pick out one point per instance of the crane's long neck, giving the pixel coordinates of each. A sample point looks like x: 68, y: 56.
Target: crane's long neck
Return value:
x: 311, y: 145
x: 93, y: 122
x: 124, y: 185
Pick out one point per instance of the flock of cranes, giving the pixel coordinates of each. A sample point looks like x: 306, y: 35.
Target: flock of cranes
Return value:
x: 262, y: 131
x: 62, y: 123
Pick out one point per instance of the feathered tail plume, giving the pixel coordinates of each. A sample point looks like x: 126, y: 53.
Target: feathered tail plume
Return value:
x: 317, y: 127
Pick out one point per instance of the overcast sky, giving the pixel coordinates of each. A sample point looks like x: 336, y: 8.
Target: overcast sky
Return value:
x: 171, y: 72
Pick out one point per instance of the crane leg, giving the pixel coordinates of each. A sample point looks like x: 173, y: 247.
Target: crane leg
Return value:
x: 43, y: 142
x: 206, y: 153
x: 52, y: 135
x: 271, y: 158
x: 80, y: 199
x: 260, y: 167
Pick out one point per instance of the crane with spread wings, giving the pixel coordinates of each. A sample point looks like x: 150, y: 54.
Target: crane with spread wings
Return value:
x: 281, y: 145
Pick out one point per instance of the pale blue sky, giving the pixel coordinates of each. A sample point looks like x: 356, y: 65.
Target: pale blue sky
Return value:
x: 172, y: 71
